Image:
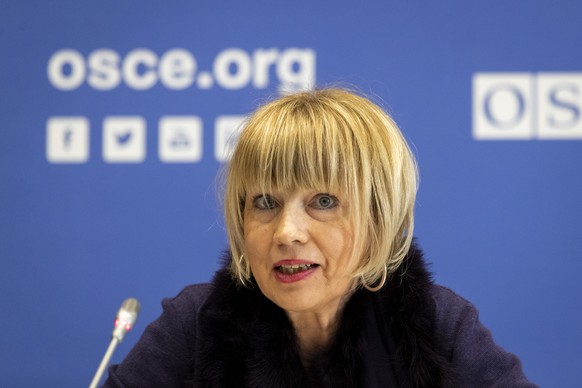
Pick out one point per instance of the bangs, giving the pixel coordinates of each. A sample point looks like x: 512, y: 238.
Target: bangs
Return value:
x: 296, y: 149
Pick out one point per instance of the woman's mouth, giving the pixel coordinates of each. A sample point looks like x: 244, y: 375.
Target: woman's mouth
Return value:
x: 293, y: 269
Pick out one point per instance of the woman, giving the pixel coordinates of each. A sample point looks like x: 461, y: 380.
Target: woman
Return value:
x: 322, y: 285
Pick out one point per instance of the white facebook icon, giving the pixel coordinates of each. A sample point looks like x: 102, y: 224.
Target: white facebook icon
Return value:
x: 67, y: 139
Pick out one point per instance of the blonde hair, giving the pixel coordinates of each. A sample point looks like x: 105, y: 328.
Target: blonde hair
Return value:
x: 328, y: 139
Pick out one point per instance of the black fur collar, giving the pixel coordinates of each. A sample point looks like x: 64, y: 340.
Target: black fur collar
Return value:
x: 247, y: 341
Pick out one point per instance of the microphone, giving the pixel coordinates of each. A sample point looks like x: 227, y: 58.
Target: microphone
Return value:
x: 126, y: 317
x: 124, y: 321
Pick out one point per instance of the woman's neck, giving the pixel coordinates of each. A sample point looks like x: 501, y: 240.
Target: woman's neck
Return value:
x: 313, y: 339
x: 315, y: 331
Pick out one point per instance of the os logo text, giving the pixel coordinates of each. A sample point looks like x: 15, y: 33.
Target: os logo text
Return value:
x: 522, y: 106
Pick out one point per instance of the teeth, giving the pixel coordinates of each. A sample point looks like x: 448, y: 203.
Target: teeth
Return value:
x: 291, y: 269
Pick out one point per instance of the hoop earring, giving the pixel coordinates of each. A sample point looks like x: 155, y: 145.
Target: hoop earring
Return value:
x: 380, y: 285
x: 243, y: 272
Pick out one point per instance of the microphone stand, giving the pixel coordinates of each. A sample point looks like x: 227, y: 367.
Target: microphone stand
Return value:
x: 104, y: 362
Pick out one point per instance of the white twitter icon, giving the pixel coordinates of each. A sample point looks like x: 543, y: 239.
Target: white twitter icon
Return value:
x: 124, y: 139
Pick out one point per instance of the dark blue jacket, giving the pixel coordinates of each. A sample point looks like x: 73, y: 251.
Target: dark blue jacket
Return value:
x: 412, y: 333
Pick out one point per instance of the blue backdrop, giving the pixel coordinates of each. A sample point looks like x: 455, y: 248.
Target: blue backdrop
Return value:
x: 113, y: 120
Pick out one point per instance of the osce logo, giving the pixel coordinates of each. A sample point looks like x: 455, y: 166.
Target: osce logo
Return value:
x: 177, y: 69
x: 525, y: 106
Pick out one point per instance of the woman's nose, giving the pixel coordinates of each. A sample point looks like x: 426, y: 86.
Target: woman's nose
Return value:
x: 291, y: 227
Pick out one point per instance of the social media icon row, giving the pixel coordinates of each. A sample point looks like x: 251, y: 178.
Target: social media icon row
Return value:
x: 124, y: 139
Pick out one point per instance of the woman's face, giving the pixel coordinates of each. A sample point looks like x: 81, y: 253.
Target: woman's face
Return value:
x: 299, y: 248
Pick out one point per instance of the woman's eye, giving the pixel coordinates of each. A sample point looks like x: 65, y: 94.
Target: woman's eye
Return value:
x: 264, y: 202
x: 325, y: 201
